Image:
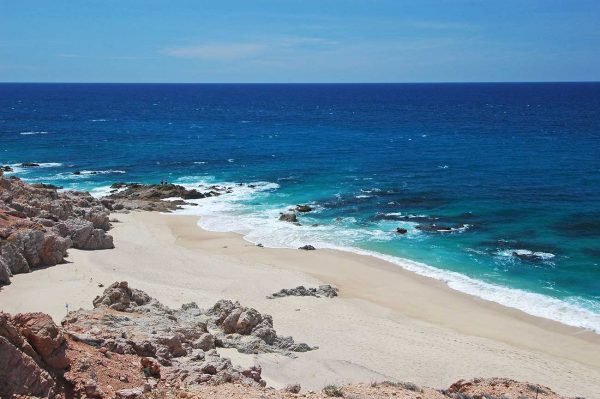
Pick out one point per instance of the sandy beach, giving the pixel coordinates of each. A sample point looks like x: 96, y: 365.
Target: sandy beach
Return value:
x: 387, y: 323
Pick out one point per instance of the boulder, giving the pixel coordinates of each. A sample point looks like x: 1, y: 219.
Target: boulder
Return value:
x: 288, y: 217
x: 32, y: 355
x: 303, y: 208
x: 119, y: 296
x: 85, y: 236
x: 21, y: 375
x: 5, y: 273
x: 401, y: 230
x: 45, y: 338
x: 307, y: 248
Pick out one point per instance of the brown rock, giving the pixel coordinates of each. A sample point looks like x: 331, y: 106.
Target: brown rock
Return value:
x: 45, y: 337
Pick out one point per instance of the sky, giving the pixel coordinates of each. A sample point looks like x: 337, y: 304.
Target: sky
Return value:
x: 289, y: 41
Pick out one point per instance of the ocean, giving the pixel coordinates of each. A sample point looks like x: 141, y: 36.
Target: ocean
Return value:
x: 497, y: 185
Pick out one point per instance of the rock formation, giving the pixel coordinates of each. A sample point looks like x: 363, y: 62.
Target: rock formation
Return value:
x: 32, y: 355
x: 326, y: 291
x: 151, y: 197
x: 303, y: 208
x: 288, y: 217
x: 38, y: 224
x: 179, y: 344
x: 131, y: 346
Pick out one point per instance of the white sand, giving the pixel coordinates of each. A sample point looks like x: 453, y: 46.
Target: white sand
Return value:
x: 386, y: 324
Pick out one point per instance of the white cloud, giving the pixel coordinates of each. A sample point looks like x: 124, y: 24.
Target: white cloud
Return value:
x: 227, y: 51
x: 217, y: 51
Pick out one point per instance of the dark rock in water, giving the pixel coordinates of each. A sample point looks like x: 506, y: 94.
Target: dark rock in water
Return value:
x: 527, y: 256
x: 401, y: 230
x: 29, y: 164
x: 289, y: 217
x: 77, y: 172
x: 303, y: 208
x: 433, y: 228
x: 6, y: 168
x: 323, y: 291
x: 307, y: 248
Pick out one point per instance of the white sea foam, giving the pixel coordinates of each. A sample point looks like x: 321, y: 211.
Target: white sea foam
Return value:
x: 260, y: 224
x: 40, y: 165
x: 510, y: 253
x: 102, y: 172
x: 32, y: 133
x: 98, y: 120
x: 84, y: 174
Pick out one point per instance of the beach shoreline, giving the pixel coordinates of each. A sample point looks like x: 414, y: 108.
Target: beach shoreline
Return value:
x: 387, y: 323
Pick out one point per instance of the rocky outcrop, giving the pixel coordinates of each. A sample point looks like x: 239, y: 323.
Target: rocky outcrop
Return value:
x: 38, y: 224
x: 118, y: 296
x: 326, y: 291
x: 248, y: 331
x: 288, y: 217
x: 307, y: 247
x: 131, y: 346
x: 303, y: 208
x: 32, y: 355
x: 156, y: 197
x: 435, y: 228
x: 178, y: 344
x: 83, y: 234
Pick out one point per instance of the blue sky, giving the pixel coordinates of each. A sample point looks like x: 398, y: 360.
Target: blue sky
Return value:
x: 299, y: 41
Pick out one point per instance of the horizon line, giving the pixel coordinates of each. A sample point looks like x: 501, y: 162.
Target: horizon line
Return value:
x: 312, y: 83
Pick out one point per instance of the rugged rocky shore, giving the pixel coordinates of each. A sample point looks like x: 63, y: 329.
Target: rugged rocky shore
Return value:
x: 38, y: 225
x: 131, y: 346
x: 164, y: 197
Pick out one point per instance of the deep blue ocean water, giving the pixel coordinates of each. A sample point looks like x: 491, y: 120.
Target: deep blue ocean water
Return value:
x: 510, y: 168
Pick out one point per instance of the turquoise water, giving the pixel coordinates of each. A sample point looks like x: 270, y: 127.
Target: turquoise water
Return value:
x: 508, y: 168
